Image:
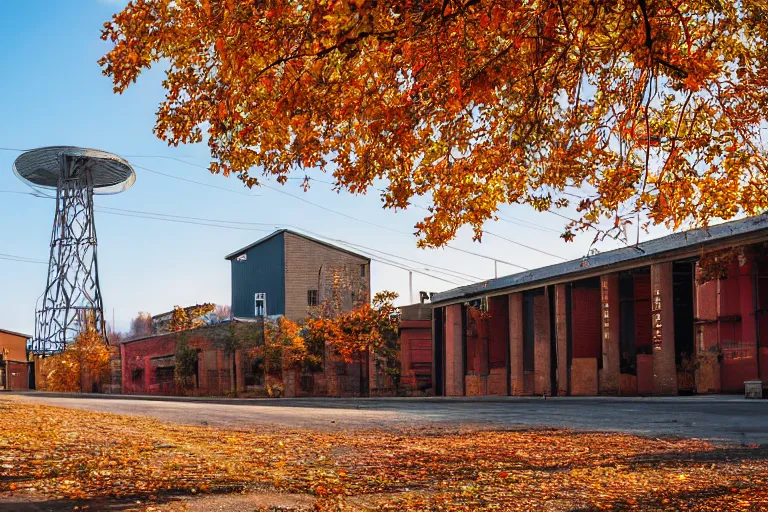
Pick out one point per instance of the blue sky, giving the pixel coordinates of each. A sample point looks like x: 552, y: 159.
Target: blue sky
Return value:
x: 52, y: 93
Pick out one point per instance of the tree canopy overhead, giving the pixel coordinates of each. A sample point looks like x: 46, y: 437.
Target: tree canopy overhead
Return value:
x: 614, y: 107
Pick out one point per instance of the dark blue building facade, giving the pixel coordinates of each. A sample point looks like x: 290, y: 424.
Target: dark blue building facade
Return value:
x: 259, y: 268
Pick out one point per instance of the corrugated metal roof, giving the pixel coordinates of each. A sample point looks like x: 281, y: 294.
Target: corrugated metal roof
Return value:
x: 652, y: 249
x: 279, y: 231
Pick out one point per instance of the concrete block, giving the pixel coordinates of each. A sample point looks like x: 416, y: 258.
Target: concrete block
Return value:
x: 753, y: 389
x: 476, y: 385
x: 584, y: 376
x: 497, y: 382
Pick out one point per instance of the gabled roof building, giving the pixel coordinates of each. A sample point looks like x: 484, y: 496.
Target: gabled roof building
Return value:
x: 288, y: 273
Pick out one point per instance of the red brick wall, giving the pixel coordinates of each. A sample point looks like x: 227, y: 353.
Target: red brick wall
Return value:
x: 135, y: 356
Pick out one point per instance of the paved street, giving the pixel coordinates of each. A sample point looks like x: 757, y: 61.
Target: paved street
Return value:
x: 730, y: 419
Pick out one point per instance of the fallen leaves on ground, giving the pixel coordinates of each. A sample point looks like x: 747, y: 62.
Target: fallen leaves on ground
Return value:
x: 78, y: 457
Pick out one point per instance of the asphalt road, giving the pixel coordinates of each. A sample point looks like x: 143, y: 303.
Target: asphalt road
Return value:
x: 725, y: 419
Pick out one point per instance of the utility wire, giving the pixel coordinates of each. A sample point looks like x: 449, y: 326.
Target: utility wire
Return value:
x: 409, y: 235
x: 412, y: 261
x: 374, y: 257
x: 523, y: 245
x: 21, y: 259
x: 222, y: 224
x: 122, y: 214
x: 195, y: 182
x: 300, y: 199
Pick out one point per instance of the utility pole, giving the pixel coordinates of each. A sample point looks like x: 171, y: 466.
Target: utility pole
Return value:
x: 495, y: 268
x: 410, y: 286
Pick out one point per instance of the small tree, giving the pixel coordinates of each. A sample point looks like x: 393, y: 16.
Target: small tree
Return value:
x: 84, y: 361
x: 238, y: 339
x: 186, y: 362
x: 284, y: 348
x: 368, y: 328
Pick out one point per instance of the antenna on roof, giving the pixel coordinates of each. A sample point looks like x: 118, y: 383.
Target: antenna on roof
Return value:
x: 72, y: 292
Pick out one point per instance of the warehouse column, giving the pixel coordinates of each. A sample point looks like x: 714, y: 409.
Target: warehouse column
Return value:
x: 561, y: 327
x: 542, y: 346
x: 610, y: 376
x: 454, y: 356
x: 663, y: 325
x: 517, y: 381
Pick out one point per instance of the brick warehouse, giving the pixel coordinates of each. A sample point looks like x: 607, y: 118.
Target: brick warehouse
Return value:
x: 147, y: 364
x: 633, y: 321
x: 284, y: 274
x: 15, y: 367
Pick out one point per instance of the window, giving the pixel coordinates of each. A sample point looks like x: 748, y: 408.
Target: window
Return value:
x: 362, y: 270
x: 311, y: 298
x: 260, y: 305
x: 164, y: 374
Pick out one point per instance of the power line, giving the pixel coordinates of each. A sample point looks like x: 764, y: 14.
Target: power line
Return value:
x: 373, y: 257
x: 409, y: 235
x: 219, y: 223
x: 207, y: 222
x: 122, y: 214
x: 533, y: 225
x: 523, y: 245
x: 21, y: 259
x: 412, y: 261
x: 195, y: 182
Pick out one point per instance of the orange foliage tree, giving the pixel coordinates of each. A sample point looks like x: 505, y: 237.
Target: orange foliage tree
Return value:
x: 611, y: 107
x: 284, y: 348
x: 84, y: 361
x: 366, y: 329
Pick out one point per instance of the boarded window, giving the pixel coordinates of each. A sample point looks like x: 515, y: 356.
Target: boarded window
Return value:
x: 164, y: 374
x: 362, y: 270
x: 585, y: 318
x: 529, y: 329
x: 477, y: 341
x: 643, y: 325
x: 499, y: 331
x: 627, y: 324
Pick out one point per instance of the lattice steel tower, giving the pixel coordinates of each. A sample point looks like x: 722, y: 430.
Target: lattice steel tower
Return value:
x: 72, y: 291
